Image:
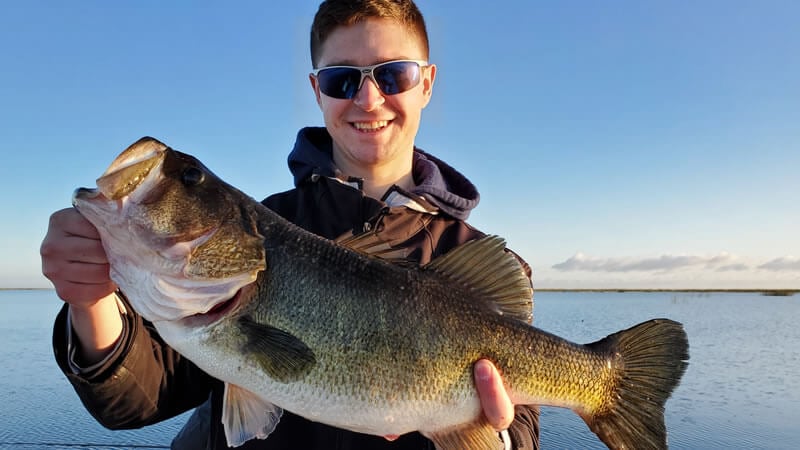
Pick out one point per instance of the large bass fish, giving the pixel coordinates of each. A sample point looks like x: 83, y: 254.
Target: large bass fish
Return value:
x: 331, y: 332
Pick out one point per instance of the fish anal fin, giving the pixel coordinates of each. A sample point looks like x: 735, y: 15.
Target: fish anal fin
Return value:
x: 247, y: 416
x: 492, y: 272
x: 474, y: 436
x: 282, y: 355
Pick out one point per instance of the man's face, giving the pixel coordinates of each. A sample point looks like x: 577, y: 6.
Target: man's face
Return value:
x: 373, y: 129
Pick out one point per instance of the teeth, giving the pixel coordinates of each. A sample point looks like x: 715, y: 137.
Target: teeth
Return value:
x: 371, y: 126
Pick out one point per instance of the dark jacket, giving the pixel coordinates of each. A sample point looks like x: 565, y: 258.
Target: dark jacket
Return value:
x: 145, y: 381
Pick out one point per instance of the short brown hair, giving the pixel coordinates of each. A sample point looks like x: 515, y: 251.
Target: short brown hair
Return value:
x: 336, y: 13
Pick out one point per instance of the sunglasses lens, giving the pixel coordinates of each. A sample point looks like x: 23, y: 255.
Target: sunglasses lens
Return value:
x: 396, y: 77
x: 339, y: 82
x: 392, y: 78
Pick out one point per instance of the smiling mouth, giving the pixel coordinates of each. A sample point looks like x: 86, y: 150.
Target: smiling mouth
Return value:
x: 370, y: 127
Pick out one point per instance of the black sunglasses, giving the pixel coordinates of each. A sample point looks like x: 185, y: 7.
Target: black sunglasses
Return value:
x: 391, y: 77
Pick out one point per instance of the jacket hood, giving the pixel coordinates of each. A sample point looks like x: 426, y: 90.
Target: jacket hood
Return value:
x: 436, y: 181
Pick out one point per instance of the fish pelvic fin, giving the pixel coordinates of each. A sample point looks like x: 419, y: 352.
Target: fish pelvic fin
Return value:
x: 246, y: 416
x: 493, y: 272
x: 282, y: 355
x: 474, y: 436
x: 651, y: 358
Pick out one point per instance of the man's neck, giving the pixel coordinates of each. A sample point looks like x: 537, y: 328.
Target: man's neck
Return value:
x: 378, y: 179
x: 376, y: 188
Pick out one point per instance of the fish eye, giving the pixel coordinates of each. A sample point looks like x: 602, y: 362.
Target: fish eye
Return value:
x: 192, y: 176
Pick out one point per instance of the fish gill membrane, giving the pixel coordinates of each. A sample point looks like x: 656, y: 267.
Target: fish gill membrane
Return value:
x: 343, y: 333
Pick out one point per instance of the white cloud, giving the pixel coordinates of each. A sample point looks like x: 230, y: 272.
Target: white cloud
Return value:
x: 784, y: 263
x: 665, y: 263
x: 737, y: 267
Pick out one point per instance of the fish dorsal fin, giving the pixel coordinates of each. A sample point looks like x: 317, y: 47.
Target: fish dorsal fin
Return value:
x: 282, y: 355
x: 247, y: 416
x: 493, y: 273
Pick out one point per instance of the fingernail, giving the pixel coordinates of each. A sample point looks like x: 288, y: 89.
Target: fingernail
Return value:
x: 483, y: 373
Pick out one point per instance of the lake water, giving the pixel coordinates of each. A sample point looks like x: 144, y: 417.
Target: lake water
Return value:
x: 741, y: 390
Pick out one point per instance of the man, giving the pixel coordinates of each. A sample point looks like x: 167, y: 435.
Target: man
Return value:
x: 361, y: 173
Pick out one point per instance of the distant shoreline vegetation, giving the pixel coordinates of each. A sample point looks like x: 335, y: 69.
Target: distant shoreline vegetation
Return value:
x: 767, y: 292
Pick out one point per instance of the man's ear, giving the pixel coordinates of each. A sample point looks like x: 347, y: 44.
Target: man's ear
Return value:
x: 315, y: 87
x: 428, y: 78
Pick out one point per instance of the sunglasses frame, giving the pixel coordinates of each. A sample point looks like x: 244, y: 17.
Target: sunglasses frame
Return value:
x: 369, y: 72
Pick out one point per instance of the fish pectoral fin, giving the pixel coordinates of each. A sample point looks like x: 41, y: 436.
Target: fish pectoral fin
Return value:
x: 474, y: 436
x: 282, y: 355
x: 247, y: 416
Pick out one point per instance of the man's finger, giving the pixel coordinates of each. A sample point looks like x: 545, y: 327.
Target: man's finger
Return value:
x: 497, y: 407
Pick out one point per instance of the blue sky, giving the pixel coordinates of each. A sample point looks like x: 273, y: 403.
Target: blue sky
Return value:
x: 615, y: 144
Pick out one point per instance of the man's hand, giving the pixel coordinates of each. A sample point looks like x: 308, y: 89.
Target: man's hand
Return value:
x: 497, y: 407
x: 74, y: 260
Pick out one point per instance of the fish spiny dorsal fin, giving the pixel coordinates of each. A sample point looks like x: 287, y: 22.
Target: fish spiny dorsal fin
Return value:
x: 493, y: 273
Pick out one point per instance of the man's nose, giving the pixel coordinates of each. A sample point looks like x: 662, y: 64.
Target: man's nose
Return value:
x: 369, y: 96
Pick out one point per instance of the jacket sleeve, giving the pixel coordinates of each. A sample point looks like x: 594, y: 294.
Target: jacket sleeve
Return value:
x: 524, y: 430
x: 143, y: 382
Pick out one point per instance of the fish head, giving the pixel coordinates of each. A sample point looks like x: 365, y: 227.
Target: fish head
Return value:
x: 179, y: 240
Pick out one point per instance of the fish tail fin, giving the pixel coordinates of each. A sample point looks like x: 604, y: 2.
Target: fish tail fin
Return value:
x: 649, y: 359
